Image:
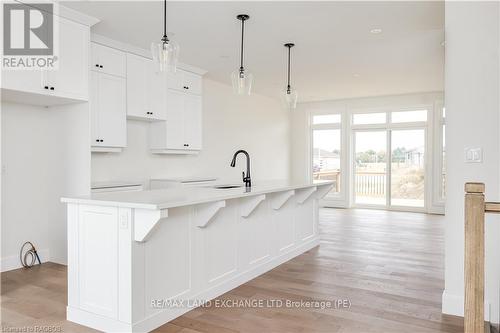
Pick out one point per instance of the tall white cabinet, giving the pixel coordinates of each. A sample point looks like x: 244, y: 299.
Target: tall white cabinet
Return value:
x: 108, y: 97
x: 181, y: 133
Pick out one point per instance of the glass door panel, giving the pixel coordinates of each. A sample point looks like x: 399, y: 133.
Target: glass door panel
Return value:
x: 408, y: 168
x: 370, y: 174
x: 326, y: 157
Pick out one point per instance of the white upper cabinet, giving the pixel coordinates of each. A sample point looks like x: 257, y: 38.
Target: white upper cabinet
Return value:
x: 185, y: 81
x: 146, y: 90
x: 181, y: 133
x: 108, y: 111
x: 108, y: 60
x: 192, y: 123
x: 67, y: 83
x: 71, y: 78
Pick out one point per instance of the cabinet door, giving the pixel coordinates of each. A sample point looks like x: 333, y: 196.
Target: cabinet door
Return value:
x: 23, y: 80
x: 193, y: 122
x: 94, y: 110
x: 108, y: 60
x: 192, y: 83
x: 157, y: 93
x: 175, y: 120
x: 176, y: 80
x: 137, y: 87
x: 112, y: 114
x: 71, y: 77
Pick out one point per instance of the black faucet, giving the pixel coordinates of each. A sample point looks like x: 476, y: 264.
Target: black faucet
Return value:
x: 246, y: 178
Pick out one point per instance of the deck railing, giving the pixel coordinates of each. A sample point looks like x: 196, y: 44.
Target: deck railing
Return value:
x: 475, y: 209
x: 370, y: 184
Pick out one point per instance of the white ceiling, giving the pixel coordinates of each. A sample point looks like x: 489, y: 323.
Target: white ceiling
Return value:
x: 335, y: 56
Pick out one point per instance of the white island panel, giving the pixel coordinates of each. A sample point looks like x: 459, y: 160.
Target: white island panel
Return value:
x: 194, y: 250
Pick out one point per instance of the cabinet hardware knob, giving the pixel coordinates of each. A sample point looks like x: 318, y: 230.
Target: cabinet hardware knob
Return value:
x: 97, y: 140
x: 101, y: 66
x: 102, y: 140
x: 51, y: 88
x: 46, y: 87
x: 96, y: 65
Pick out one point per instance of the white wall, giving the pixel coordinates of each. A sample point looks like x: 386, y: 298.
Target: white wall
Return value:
x: 472, y: 108
x: 255, y: 123
x: 45, y: 155
x: 301, y: 138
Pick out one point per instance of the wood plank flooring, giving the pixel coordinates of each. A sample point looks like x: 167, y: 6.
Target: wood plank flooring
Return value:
x: 388, y: 265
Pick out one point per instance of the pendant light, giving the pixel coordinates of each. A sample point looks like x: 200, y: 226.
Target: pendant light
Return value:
x: 242, y: 79
x: 289, y: 96
x: 166, y: 52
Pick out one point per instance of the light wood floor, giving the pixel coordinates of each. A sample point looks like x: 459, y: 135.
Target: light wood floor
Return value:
x: 389, y: 265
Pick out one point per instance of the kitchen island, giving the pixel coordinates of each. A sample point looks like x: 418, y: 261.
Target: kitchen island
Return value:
x: 137, y: 260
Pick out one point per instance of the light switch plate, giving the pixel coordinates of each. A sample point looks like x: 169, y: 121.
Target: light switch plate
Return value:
x: 474, y: 155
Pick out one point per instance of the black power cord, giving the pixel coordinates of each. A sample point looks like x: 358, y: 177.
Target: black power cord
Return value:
x: 30, y: 256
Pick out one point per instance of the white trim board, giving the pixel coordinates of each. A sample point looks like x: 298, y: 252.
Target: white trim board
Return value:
x: 12, y: 262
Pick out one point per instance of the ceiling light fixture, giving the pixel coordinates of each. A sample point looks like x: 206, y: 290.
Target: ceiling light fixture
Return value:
x: 290, y: 95
x: 376, y: 31
x: 242, y: 79
x: 166, y: 52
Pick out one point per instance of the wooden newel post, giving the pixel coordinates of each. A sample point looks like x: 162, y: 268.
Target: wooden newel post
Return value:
x: 474, y: 258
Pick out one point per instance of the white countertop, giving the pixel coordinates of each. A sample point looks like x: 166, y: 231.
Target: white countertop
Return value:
x: 178, y: 197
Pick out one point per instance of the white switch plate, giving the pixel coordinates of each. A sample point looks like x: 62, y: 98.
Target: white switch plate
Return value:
x: 473, y: 155
x: 123, y: 221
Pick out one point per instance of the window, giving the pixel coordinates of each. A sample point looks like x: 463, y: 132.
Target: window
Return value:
x: 326, y: 156
x: 409, y: 116
x: 369, y: 118
x: 326, y: 119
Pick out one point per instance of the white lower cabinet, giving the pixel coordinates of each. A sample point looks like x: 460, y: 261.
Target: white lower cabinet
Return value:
x: 108, y: 112
x: 181, y: 133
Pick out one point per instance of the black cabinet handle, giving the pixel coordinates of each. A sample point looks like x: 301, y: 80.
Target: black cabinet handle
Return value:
x: 46, y: 87
x: 96, y: 65
x: 51, y: 88
x: 101, y: 66
x: 97, y: 140
x: 186, y: 145
x: 101, y: 140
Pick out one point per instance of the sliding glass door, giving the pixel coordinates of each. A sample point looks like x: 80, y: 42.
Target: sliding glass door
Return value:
x: 370, y: 167
x: 389, y: 180
x: 408, y: 168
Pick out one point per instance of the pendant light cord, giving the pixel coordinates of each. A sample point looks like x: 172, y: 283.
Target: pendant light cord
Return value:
x: 165, y: 21
x: 289, y: 49
x: 242, y: 40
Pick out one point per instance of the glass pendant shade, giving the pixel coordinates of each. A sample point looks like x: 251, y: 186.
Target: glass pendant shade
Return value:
x: 289, y: 98
x: 165, y: 55
x: 242, y: 82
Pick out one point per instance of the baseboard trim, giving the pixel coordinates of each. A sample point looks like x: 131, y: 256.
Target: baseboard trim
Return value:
x: 454, y: 305
x: 12, y: 262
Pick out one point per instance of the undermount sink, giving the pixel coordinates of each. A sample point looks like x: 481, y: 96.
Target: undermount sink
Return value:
x: 225, y: 187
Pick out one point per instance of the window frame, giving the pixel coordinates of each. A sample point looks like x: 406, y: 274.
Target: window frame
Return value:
x: 335, y: 196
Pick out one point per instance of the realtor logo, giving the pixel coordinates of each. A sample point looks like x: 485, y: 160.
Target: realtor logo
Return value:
x: 28, y: 36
